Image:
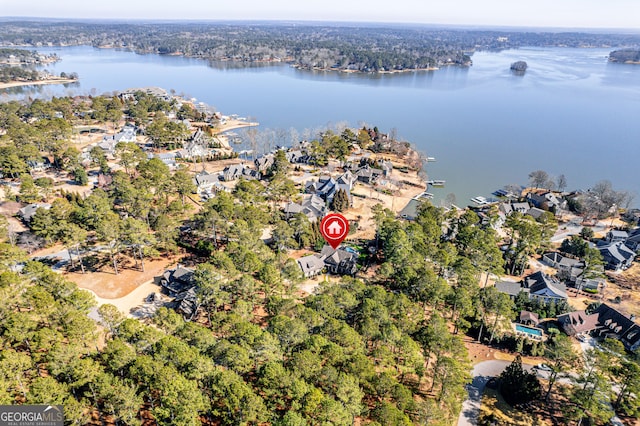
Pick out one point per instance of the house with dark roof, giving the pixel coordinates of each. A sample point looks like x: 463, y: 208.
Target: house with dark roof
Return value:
x: 339, y: 261
x: 614, y: 324
x: 326, y: 188
x: 178, y: 280
x: 186, y: 303
x: 567, y: 267
x: 510, y: 288
x: 617, y: 256
x: 336, y: 261
x: 368, y: 174
x: 508, y: 208
x: 544, y: 287
x: 633, y: 240
x: 232, y: 172
x: 264, y: 162
x: 535, y: 212
x: 578, y: 322
x: 546, y: 199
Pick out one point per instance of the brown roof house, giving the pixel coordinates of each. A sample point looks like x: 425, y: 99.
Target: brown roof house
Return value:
x: 578, y: 322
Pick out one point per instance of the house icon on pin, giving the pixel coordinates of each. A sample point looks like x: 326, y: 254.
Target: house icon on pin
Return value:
x: 334, y: 228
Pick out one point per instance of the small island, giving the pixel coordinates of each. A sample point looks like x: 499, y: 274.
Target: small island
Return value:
x: 625, y: 56
x: 519, y: 67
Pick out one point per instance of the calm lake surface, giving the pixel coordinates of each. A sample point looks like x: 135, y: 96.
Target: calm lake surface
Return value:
x: 572, y: 112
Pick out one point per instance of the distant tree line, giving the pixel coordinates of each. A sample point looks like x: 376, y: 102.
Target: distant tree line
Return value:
x: 357, y: 48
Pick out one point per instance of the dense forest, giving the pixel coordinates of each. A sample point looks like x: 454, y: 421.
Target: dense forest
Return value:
x: 357, y: 48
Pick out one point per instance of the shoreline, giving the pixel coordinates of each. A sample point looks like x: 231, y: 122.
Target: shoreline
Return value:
x: 37, y: 82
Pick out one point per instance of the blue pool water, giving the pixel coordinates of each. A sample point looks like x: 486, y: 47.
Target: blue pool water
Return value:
x: 529, y: 330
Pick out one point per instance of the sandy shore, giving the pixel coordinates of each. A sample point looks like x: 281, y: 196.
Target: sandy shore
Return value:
x: 36, y: 83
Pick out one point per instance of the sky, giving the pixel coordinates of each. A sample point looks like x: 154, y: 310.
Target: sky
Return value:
x: 529, y: 13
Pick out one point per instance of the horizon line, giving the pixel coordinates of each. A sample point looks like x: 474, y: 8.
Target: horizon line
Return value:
x: 320, y: 22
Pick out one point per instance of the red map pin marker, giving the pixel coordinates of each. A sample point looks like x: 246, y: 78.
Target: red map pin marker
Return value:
x: 334, y: 228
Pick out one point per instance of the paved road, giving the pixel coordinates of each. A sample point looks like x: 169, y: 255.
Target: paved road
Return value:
x: 481, y: 374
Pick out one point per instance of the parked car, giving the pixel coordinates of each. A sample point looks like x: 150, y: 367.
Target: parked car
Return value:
x: 543, y: 367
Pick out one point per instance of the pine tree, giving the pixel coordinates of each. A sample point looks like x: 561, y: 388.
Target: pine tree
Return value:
x: 340, y: 201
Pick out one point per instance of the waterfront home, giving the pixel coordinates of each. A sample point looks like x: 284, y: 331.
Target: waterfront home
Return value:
x: 232, y: 172
x: 617, y: 256
x: 508, y: 208
x: 264, y: 162
x: 326, y: 188
x: 368, y: 174
x: 546, y: 200
x: 535, y: 212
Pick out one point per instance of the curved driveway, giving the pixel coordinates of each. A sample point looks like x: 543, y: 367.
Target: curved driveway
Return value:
x: 481, y: 373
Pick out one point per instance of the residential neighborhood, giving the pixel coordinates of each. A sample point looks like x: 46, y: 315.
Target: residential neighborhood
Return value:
x: 159, y: 217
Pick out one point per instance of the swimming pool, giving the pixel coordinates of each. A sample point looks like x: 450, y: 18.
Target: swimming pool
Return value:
x: 529, y: 330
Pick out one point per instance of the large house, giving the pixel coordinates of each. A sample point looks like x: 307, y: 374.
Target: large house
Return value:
x: 614, y: 324
x: 177, y: 280
x: 578, y: 322
x: 311, y: 265
x: 616, y: 235
x: 633, y: 241
x: 617, y: 256
x: 567, y: 267
x: 547, y: 200
x: 537, y: 285
x: 336, y: 261
x: 178, y: 283
x: 339, y: 261
x: 312, y: 206
x: 206, y: 181
x: 326, y: 187
x: 544, y: 287
x: 605, y: 322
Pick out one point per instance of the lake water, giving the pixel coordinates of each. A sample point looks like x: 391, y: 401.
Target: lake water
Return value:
x: 572, y: 113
